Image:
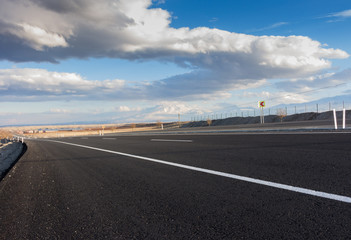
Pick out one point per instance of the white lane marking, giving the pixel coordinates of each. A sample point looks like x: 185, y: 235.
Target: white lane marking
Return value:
x: 170, y: 140
x: 109, y: 138
x: 228, y: 175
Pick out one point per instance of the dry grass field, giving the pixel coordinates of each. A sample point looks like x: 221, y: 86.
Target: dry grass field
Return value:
x: 5, y: 134
x: 81, y: 130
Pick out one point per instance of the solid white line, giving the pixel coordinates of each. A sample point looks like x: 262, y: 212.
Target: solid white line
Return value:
x: 228, y: 175
x: 109, y: 138
x: 170, y: 140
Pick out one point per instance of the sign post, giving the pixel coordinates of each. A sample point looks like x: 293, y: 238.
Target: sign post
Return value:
x: 261, y: 105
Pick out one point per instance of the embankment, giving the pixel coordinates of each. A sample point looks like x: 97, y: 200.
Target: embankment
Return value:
x: 9, y: 153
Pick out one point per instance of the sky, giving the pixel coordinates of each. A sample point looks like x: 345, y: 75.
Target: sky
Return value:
x: 122, y: 61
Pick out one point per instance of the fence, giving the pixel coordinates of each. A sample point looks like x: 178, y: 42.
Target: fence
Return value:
x: 288, y: 109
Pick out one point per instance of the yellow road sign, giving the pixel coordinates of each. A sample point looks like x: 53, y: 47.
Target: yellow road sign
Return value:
x: 262, y: 104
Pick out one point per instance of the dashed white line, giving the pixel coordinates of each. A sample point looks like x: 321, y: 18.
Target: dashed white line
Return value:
x: 335, y: 197
x: 171, y: 140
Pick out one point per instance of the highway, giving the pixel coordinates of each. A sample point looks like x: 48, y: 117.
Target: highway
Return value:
x: 195, y: 186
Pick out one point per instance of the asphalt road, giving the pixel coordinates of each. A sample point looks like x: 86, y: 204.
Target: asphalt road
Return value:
x: 293, y: 126
x: 60, y: 191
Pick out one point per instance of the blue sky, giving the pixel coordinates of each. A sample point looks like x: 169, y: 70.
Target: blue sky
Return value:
x: 143, y: 60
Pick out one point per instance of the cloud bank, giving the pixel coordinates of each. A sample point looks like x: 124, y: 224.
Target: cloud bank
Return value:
x: 162, y: 111
x: 133, y: 30
x: 316, y: 82
x: 41, y: 85
x: 50, y: 30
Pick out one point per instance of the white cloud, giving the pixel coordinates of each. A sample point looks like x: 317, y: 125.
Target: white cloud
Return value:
x: 271, y: 97
x: 39, y: 38
x: 42, y: 85
x: 339, y: 16
x: 293, y: 98
x: 133, y: 30
x: 342, y: 14
x: 59, y: 110
x: 222, y: 61
x: 123, y: 109
x: 169, y: 110
x: 151, y: 112
x: 257, y: 95
x: 158, y: 2
x: 273, y: 26
x: 316, y: 82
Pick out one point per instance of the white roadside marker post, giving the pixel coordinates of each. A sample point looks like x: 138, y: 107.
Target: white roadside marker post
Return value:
x: 261, y: 105
x: 335, y: 122
x: 344, y: 118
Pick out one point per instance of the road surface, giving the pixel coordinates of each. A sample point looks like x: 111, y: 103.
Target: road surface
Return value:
x: 90, y: 188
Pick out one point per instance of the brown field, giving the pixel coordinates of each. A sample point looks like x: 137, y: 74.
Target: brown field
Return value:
x: 80, y: 130
x: 5, y: 134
